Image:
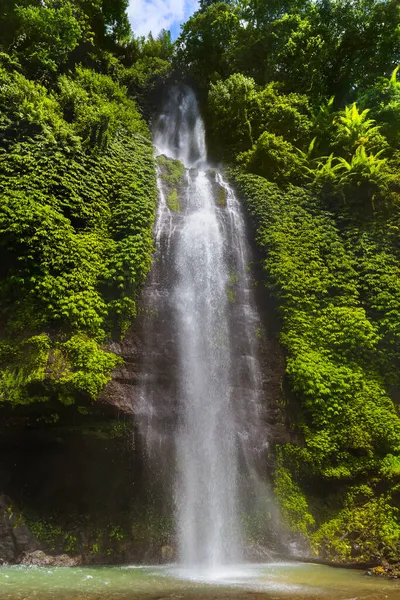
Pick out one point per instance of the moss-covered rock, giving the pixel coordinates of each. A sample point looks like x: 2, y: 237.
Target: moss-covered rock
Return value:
x: 173, y: 181
x: 221, y: 197
x: 172, y: 171
x: 173, y: 201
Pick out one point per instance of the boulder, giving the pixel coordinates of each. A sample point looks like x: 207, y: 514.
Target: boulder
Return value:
x: 39, y: 559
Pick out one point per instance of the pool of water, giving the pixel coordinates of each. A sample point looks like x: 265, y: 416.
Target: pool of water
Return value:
x: 242, y: 582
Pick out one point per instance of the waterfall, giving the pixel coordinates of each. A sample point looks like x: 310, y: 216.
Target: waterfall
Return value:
x: 200, y: 408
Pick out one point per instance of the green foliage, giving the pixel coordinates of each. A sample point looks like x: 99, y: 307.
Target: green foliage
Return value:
x: 240, y: 112
x: 354, y: 131
x: 108, y: 430
x: 256, y: 525
x: 86, y: 370
x: 221, y: 197
x: 172, y: 171
x: 27, y: 109
x: 52, y: 36
x: 98, y: 108
x: 172, y: 176
x: 365, y: 171
x: 364, y: 178
x: 295, y: 511
x: 274, y: 158
x: 270, y: 133
x: 145, y: 75
x: 206, y: 42
x: 51, y: 535
x: 77, y: 179
x: 384, y: 100
x: 287, y: 114
x: 299, y: 92
x: 356, y: 171
x: 373, y: 524
x: 173, y: 201
x: 88, y: 538
x: 46, y: 36
x: 160, y: 47
x: 340, y: 357
x: 391, y: 466
x: 231, y: 104
x: 318, y: 48
x: 231, y: 290
x: 23, y: 368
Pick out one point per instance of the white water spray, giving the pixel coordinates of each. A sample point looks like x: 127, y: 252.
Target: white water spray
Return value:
x: 208, y: 308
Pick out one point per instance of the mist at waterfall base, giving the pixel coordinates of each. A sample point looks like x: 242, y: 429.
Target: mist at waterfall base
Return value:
x: 202, y: 424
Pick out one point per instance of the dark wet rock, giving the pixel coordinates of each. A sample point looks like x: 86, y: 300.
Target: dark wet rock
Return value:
x: 299, y: 548
x: 219, y: 191
x: 259, y: 554
x: 168, y: 554
x: 356, y: 550
x: 211, y: 175
x: 39, y: 558
x: 15, y: 536
x: 121, y: 390
x: 120, y: 393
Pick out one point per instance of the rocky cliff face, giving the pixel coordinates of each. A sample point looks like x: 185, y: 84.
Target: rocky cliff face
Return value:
x: 72, y: 478
x: 15, y: 537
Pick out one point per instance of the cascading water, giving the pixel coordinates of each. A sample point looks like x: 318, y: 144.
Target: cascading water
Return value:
x: 207, y: 395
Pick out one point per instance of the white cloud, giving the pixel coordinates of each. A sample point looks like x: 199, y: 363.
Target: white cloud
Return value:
x: 154, y: 15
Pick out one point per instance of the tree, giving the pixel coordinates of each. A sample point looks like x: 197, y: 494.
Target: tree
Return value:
x: 240, y: 112
x: 204, y: 4
x: 108, y: 19
x: 45, y: 37
x: 322, y: 48
x: 231, y: 103
x: 206, y: 44
x: 384, y: 99
x: 275, y: 159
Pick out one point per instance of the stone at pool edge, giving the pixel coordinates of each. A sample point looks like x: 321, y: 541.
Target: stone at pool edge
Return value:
x: 385, y: 570
x: 39, y: 558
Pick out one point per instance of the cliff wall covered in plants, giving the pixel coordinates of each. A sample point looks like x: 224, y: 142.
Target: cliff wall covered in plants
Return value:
x: 77, y: 179
x: 302, y: 104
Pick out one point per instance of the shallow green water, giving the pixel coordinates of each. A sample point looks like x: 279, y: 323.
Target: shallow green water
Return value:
x: 243, y: 582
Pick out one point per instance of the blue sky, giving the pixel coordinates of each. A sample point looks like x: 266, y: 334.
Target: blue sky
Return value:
x: 154, y: 15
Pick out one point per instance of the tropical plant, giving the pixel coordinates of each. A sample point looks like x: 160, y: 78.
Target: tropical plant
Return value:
x: 354, y: 129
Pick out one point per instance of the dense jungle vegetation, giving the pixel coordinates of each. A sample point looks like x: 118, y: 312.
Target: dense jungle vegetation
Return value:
x: 302, y: 102
x: 78, y: 191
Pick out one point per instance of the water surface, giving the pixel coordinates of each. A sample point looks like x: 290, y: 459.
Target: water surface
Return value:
x: 296, y: 581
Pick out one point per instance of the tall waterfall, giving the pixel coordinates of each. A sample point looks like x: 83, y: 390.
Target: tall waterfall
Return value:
x: 201, y: 391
